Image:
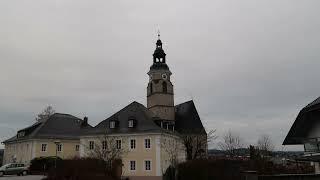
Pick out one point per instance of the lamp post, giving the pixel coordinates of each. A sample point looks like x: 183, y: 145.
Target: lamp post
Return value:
x: 55, y: 160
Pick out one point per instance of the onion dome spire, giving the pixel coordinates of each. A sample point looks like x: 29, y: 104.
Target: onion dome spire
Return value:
x: 159, y: 56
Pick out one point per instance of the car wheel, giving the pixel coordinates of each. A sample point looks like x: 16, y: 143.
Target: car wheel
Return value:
x: 1, y: 173
x: 24, y: 173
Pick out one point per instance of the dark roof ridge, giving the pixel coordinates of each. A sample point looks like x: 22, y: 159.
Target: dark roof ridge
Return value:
x: 119, y: 111
x: 189, y: 101
x: 313, y: 103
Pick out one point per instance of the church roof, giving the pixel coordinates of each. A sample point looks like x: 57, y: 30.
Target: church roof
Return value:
x: 303, y: 123
x: 62, y: 126
x: 66, y: 126
x: 188, y: 119
x: 136, y: 111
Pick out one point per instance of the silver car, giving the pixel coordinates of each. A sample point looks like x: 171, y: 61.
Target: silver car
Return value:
x: 14, y: 168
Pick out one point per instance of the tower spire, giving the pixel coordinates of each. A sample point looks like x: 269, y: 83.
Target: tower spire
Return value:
x: 159, y: 56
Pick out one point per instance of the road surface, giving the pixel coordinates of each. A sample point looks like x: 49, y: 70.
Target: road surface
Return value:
x: 28, y: 177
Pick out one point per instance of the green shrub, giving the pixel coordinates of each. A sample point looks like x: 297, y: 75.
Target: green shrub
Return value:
x: 43, y: 164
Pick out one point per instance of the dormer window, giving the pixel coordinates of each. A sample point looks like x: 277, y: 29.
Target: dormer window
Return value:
x: 131, y: 123
x: 112, y: 124
x: 20, y: 134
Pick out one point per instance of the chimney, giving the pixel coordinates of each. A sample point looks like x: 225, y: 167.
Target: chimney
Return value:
x: 85, y: 121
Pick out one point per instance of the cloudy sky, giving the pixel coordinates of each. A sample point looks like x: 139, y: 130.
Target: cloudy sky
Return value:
x: 249, y: 65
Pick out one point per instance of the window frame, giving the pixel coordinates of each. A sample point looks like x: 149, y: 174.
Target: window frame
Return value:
x: 118, y: 140
x: 130, y: 165
x: 104, y: 145
x: 61, y: 147
x: 135, y: 144
x: 145, y: 165
x: 112, y: 124
x: 44, y: 145
x: 130, y: 123
x: 91, y: 147
x: 145, y: 143
x: 77, y: 147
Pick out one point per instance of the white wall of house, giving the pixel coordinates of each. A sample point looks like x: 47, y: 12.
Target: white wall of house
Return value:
x: 156, y: 154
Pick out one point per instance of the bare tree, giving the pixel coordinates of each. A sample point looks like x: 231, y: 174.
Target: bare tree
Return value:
x: 196, y: 144
x: 265, y: 144
x: 106, y: 147
x: 172, y: 147
x: 231, y: 143
x: 45, y: 114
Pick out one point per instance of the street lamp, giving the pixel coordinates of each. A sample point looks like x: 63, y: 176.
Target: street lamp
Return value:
x: 55, y: 161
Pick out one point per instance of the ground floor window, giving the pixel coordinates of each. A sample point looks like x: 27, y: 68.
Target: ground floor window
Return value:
x: 77, y: 147
x: 147, y: 165
x: 132, y: 165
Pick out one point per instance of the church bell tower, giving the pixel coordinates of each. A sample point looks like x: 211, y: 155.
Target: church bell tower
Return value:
x: 160, y: 89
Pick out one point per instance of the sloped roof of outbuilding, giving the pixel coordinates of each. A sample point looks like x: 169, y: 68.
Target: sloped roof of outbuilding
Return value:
x: 303, y: 123
x: 60, y: 126
x: 136, y: 111
x: 188, y: 119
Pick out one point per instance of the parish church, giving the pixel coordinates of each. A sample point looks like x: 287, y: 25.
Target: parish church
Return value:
x: 148, y: 138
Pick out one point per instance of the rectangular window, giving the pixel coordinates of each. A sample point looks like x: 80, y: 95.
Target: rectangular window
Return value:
x: 147, y: 165
x: 43, y: 147
x: 59, y: 147
x: 104, y: 145
x: 77, y: 147
x: 130, y: 123
x: 91, y: 145
x: 147, y: 144
x: 132, y: 144
x: 118, y: 144
x: 132, y: 165
x: 112, y: 124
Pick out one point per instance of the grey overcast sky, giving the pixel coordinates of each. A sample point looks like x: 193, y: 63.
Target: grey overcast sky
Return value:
x: 249, y: 65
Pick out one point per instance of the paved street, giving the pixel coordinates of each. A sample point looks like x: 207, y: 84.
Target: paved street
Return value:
x: 29, y: 177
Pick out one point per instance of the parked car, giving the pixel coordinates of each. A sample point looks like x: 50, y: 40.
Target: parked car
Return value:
x: 14, y: 168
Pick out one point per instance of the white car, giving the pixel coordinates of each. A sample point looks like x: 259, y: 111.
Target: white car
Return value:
x: 14, y: 168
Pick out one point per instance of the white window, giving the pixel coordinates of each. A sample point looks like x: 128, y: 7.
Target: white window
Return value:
x: 118, y: 142
x: 77, y: 147
x: 59, y: 147
x: 91, y: 144
x: 130, y: 123
x: 112, y: 124
x: 43, y: 147
x: 104, y: 145
x: 147, y: 165
x: 147, y: 144
x: 132, y: 144
x: 132, y: 165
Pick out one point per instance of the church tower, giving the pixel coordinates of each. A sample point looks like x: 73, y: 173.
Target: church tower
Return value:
x: 160, y: 89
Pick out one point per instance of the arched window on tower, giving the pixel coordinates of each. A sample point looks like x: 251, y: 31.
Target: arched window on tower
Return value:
x: 164, y: 87
x: 151, y: 88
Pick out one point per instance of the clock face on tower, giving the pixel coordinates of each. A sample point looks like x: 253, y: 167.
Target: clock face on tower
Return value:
x: 164, y: 76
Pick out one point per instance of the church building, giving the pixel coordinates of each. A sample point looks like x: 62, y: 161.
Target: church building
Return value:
x: 148, y: 138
